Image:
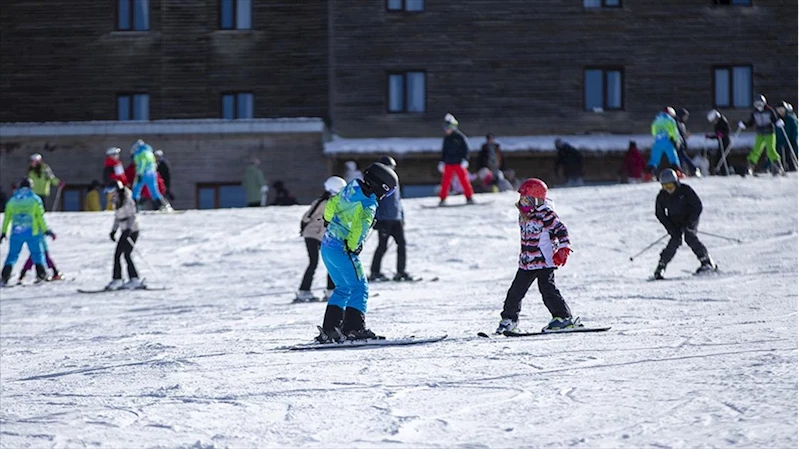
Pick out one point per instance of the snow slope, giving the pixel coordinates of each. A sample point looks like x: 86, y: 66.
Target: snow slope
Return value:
x: 690, y: 362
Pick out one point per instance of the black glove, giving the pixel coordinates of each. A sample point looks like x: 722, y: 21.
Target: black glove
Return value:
x: 2, y: 236
x: 356, y: 251
x: 113, y: 236
x: 326, y: 222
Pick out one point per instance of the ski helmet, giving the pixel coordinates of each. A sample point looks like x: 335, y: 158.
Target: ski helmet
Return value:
x: 136, y: 145
x: 334, y: 184
x: 670, y: 110
x: 534, y: 188
x: 713, y: 115
x: 788, y: 106
x: 36, y: 157
x: 159, y: 153
x: 381, y: 179
x: 450, y: 122
x: 25, y: 182
x: 668, y: 176
x: 388, y: 161
x: 760, y: 103
x: 113, y: 151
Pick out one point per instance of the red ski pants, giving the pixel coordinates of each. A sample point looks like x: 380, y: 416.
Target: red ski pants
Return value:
x: 451, y: 170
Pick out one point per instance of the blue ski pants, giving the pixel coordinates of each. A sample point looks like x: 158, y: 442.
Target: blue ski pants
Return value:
x: 663, y: 145
x: 352, y: 289
x: 34, y: 243
x: 151, y: 181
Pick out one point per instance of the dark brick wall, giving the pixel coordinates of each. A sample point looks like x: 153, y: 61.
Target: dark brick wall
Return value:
x: 63, y: 61
x: 515, y: 67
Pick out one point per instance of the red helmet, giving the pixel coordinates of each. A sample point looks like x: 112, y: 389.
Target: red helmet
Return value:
x: 534, y: 188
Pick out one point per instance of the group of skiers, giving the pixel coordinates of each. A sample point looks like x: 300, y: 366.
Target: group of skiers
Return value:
x: 148, y: 175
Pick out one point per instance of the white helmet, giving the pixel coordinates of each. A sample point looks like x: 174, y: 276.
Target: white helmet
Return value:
x: 334, y: 184
x: 713, y: 115
x: 760, y: 102
x: 36, y: 157
x: 136, y: 146
x: 113, y: 151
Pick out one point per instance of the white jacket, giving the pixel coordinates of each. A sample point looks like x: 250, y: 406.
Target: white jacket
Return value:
x: 125, y: 217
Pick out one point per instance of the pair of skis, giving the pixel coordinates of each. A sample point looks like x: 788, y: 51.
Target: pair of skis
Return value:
x: 539, y: 333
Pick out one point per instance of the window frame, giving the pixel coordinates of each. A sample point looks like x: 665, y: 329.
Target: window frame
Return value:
x: 235, y: 94
x: 730, y: 70
x: 131, y: 19
x: 235, y: 16
x: 215, y: 186
x: 404, y: 74
x: 604, y: 5
x: 404, y: 7
x: 132, y: 106
x: 605, y: 69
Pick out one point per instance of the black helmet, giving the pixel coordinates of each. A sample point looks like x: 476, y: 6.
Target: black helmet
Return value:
x: 380, y: 179
x: 668, y: 176
x: 388, y: 161
x: 25, y: 182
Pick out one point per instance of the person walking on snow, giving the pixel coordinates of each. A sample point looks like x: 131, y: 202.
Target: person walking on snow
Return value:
x: 765, y: 120
x: 390, y: 224
x: 146, y: 174
x: 454, y: 160
x: 42, y: 177
x: 349, y: 217
x: 312, y: 228
x: 545, y: 246
x: 25, y: 213
x: 113, y: 171
x: 125, y: 220
x: 664, y: 130
x: 678, y: 208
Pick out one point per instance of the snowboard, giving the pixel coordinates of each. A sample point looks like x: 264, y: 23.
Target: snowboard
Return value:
x: 102, y: 290
x: 537, y: 333
x: 349, y: 344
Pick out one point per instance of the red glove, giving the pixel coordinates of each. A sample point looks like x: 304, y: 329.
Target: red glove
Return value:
x: 560, y: 256
x: 51, y: 234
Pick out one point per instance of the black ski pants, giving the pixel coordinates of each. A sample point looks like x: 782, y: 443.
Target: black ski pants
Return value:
x: 546, y: 285
x: 125, y: 248
x: 313, y: 247
x: 689, y: 232
x: 385, y: 229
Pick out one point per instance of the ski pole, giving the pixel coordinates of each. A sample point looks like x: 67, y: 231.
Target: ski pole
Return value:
x: 135, y: 248
x: 720, y: 236
x: 650, y: 245
x: 728, y: 150
x: 790, y: 145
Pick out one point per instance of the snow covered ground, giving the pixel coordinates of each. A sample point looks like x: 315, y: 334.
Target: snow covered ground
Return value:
x: 690, y: 362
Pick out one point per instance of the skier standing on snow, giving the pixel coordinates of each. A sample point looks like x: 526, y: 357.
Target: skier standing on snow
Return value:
x: 312, y: 228
x: 124, y: 220
x: 146, y: 174
x: 42, y: 177
x: 25, y: 213
x: 165, y: 172
x: 678, y: 208
x: 545, y: 246
x: 350, y: 216
x: 765, y: 120
x: 682, y: 146
x: 454, y: 160
x: 390, y: 223
x: 113, y: 171
x: 785, y: 112
x: 571, y: 160
x: 57, y: 275
x: 721, y: 133
x: 664, y: 129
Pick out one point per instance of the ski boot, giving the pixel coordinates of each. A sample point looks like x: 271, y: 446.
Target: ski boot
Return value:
x: 403, y: 277
x: 559, y: 324
x: 330, y: 330
x: 507, y: 325
x: 21, y: 278
x: 41, y: 275
x: 378, y: 277
x: 115, y: 284
x: 470, y: 201
x: 707, y: 265
x: 354, y: 326
x: 659, y: 271
x: 6, y: 275
x: 57, y: 276
x: 134, y: 284
x: 305, y: 296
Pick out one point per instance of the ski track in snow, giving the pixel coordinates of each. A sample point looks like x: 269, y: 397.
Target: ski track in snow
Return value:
x: 690, y: 362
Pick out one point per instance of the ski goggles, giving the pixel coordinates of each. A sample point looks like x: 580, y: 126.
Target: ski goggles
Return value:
x: 528, y: 204
x: 668, y: 186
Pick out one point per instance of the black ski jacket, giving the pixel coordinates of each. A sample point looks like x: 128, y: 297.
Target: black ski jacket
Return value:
x: 679, y: 210
x: 455, y: 148
x: 570, y: 159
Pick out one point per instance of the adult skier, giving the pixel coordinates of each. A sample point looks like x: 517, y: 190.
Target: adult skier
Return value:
x: 42, y: 177
x: 312, y: 228
x: 678, y: 208
x: 146, y: 174
x: 682, y: 146
x: 113, y: 171
x: 664, y: 130
x: 786, y: 141
x: 125, y: 220
x: 721, y: 133
x: 350, y: 216
x: 390, y: 224
x: 545, y: 246
x: 765, y: 121
x: 25, y: 213
x: 454, y: 160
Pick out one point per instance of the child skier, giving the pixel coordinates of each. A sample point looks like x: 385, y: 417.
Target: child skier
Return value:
x: 146, y: 174
x: 349, y: 217
x: 390, y: 223
x: 57, y: 275
x: 545, y: 246
x: 678, y: 209
x: 25, y: 213
x: 126, y: 221
x: 312, y: 228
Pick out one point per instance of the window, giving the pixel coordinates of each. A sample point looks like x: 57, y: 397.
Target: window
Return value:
x: 733, y: 2
x: 133, y: 15
x: 133, y: 107
x: 405, y: 5
x: 235, y: 14
x: 604, y: 89
x: 237, y: 105
x: 732, y: 86
x: 601, y: 3
x: 218, y: 195
x: 407, y: 91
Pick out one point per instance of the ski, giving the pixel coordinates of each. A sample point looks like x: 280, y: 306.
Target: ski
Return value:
x: 564, y: 331
x: 440, y: 206
x: 318, y: 300
x: 149, y: 289
x: 349, y: 344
